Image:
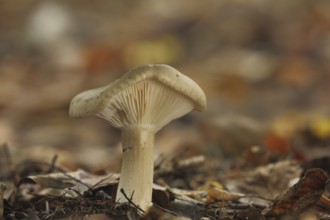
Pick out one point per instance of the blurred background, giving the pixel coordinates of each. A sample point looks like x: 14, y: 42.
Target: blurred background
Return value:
x: 264, y: 66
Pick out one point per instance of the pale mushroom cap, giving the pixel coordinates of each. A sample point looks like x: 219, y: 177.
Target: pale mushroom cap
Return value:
x: 150, y: 95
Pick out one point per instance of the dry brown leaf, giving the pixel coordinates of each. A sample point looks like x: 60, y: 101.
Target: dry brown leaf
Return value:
x: 217, y: 194
x: 197, y: 195
x: 57, y: 184
x: 265, y: 181
x: 301, y: 196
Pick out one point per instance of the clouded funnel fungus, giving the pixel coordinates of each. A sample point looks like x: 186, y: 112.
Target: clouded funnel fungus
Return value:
x: 140, y: 103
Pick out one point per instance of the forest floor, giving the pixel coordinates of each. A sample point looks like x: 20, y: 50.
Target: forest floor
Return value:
x: 261, y: 150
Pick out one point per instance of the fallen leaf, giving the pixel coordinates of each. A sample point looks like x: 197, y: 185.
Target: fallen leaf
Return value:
x: 301, y: 196
x: 265, y: 181
x: 57, y: 184
x: 217, y: 194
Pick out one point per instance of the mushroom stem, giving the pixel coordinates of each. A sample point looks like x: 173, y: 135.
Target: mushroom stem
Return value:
x: 137, y: 166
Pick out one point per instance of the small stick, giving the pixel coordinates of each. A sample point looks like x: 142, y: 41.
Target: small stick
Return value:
x: 165, y: 210
x: 130, y: 200
x: 53, y: 163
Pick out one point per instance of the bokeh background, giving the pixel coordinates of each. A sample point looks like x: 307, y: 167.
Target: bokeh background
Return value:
x: 264, y: 66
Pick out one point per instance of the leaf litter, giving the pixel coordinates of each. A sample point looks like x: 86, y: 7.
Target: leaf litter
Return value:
x: 272, y: 191
x: 258, y: 157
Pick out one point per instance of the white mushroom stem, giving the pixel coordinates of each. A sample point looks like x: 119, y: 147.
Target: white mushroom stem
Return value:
x: 137, y: 166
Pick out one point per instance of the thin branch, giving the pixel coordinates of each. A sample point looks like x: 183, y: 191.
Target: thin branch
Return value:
x: 130, y: 202
x: 165, y: 210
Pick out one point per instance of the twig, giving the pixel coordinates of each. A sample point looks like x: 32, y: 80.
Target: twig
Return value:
x: 130, y: 202
x: 77, y: 180
x: 165, y: 210
x: 52, y: 166
x: 101, y: 181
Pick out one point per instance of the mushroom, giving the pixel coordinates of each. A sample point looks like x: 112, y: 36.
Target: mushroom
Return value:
x: 140, y: 103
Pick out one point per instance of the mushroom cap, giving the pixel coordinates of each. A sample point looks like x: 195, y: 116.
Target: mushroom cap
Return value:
x: 150, y: 95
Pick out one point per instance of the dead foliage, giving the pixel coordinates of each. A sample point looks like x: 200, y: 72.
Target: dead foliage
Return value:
x: 239, y: 194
